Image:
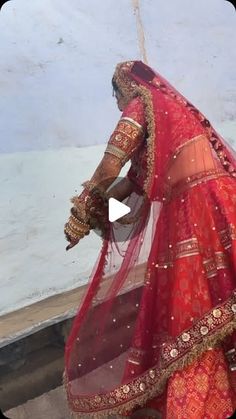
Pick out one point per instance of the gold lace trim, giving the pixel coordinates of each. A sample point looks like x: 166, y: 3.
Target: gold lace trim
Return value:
x: 191, y: 181
x: 116, y: 151
x: 206, y: 333
x: 121, y: 77
x: 190, y: 247
x: 186, y: 143
x: 132, y: 122
x: 212, y: 265
x: 149, y: 116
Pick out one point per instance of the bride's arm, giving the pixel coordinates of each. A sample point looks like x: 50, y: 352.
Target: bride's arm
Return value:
x: 121, y: 190
x: 126, y: 138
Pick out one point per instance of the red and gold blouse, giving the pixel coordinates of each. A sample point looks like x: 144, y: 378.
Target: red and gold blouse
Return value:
x: 128, y: 141
x: 129, y: 133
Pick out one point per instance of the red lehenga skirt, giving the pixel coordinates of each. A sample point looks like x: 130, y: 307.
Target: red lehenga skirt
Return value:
x: 180, y: 361
x: 194, y: 293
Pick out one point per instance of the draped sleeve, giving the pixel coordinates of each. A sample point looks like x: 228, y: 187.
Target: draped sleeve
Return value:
x: 129, y: 132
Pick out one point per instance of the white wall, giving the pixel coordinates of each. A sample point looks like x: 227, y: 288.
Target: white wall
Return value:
x: 56, y: 63
x: 57, y: 60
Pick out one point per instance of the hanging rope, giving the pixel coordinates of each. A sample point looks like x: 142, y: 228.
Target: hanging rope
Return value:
x: 140, y: 30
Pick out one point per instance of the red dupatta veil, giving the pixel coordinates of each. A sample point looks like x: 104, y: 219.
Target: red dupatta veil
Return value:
x: 121, y: 350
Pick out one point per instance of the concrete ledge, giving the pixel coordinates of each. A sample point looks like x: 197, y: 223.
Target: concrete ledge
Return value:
x: 28, y: 320
x: 32, y: 341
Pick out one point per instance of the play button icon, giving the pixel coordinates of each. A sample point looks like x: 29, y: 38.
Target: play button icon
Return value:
x: 109, y: 212
x: 116, y: 209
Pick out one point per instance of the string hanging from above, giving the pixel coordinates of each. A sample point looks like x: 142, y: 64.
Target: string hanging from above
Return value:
x: 140, y: 31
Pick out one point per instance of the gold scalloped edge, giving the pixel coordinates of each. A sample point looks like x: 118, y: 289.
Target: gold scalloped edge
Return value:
x: 157, y: 389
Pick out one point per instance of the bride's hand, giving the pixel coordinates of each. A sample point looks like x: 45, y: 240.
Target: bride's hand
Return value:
x: 72, y: 241
x: 72, y: 244
x: 75, y: 229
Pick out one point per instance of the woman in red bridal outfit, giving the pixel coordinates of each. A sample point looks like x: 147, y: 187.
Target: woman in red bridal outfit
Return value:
x: 154, y: 334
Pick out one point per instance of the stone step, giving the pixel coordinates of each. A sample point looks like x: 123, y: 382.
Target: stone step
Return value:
x: 51, y: 405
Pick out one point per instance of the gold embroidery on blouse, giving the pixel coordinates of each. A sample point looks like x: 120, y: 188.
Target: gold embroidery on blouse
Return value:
x: 131, y: 121
x: 112, y: 149
x: 124, y: 140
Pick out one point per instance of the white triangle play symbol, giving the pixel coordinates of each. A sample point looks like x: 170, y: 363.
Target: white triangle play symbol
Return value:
x: 116, y: 209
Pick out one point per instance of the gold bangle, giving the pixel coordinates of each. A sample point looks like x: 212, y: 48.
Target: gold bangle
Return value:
x: 76, y: 232
x: 77, y: 226
x: 79, y: 220
x: 71, y: 233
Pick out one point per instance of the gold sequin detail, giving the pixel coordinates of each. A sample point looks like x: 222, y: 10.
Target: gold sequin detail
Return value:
x: 217, y: 313
x: 186, y: 337
x: 204, y: 330
x: 233, y: 308
x: 173, y: 353
x: 126, y: 389
x: 142, y: 386
x: 152, y: 373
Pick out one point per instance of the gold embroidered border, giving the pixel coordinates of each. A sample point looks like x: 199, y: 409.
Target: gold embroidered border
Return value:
x: 227, y: 235
x: 187, y: 142
x: 221, y: 261
x: 190, y: 247
x: 132, y: 122
x: 205, y: 333
x: 126, y: 128
x: 191, y: 181
x: 211, y: 265
x: 116, y: 151
x: 121, y: 77
x: 175, y: 153
x: 186, y: 248
x: 149, y: 116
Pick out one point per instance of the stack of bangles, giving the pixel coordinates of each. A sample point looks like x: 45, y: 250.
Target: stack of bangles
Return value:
x: 75, y: 228
x: 87, y: 212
